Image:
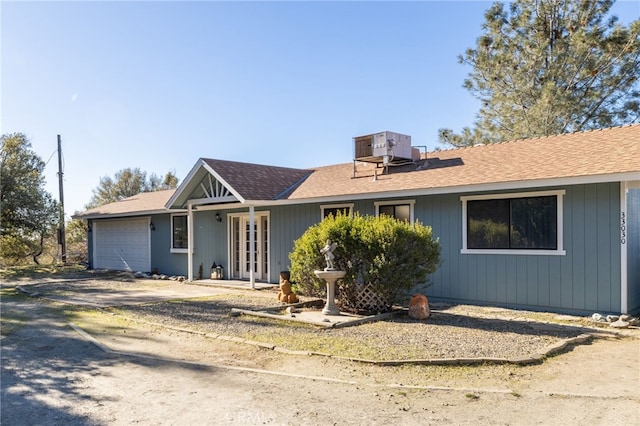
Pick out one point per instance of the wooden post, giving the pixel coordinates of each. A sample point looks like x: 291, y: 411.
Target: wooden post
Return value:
x: 61, y: 233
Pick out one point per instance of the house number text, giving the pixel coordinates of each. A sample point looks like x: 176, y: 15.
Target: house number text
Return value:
x: 623, y: 228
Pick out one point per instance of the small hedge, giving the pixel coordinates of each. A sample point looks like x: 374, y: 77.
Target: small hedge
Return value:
x: 390, y: 256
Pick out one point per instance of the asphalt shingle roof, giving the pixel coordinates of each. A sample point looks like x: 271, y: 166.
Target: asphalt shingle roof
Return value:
x: 143, y: 203
x: 591, y: 154
x: 585, y: 154
x: 257, y: 181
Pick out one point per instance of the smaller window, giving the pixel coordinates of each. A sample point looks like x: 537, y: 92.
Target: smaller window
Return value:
x: 400, y: 209
x: 334, y: 209
x: 180, y: 234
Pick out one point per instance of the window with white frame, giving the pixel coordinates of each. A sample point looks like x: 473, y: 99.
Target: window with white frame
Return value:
x: 523, y: 223
x: 334, y: 209
x: 179, y: 234
x: 399, y: 209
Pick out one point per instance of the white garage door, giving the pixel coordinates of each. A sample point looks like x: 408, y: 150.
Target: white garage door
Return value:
x: 122, y: 245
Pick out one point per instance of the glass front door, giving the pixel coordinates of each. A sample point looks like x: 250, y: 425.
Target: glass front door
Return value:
x: 241, y: 247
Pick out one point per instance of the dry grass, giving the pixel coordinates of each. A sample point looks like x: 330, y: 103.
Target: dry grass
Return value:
x: 445, y: 335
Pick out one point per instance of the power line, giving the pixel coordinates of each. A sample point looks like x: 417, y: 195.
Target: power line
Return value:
x: 54, y: 153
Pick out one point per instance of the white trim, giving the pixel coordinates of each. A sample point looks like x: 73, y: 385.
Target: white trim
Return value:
x: 229, y: 238
x: 324, y: 207
x: 172, y: 249
x: 624, y: 289
x: 513, y: 195
x: 190, y: 243
x: 516, y: 252
x: 252, y: 248
x: 206, y: 207
x: 496, y: 186
x: 411, y: 204
x: 121, y: 215
x: 257, y: 216
x: 224, y: 192
x: 218, y: 200
x: 500, y: 186
x: 559, y: 223
x: 223, y: 182
x: 149, y: 223
x: 92, y: 227
x: 184, y: 183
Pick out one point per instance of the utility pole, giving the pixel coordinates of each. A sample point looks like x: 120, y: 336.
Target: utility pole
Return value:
x: 61, y: 236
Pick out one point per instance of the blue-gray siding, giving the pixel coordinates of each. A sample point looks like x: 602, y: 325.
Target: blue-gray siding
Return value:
x: 586, y: 279
x: 633, y: 249
x: 162, y: 260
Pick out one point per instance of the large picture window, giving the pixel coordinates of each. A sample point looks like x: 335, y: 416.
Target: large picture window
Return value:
x: 528, y: 223
x: 180, y: 235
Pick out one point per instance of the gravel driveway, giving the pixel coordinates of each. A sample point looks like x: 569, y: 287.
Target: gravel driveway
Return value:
x: 153, y: 374
x: 453, y: 331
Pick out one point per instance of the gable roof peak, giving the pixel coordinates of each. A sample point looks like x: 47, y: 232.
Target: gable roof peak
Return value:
x: 229, y: 163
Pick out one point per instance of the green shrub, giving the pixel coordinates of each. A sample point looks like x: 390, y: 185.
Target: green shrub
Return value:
x: 391, y: 256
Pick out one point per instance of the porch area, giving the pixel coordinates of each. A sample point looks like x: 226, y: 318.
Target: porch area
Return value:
x: 238, y: 284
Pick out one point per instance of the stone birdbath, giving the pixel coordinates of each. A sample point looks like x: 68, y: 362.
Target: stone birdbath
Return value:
x: 330, y: 275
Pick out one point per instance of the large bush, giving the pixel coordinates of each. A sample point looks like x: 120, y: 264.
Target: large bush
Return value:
x: 388, y: 256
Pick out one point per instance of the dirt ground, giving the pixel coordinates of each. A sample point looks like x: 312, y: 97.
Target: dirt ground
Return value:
x: 136, y: 373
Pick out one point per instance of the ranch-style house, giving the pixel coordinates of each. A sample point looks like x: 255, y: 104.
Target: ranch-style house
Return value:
x: 550, y: 223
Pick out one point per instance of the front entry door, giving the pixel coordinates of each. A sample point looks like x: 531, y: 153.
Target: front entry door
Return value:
x: 241, y: 247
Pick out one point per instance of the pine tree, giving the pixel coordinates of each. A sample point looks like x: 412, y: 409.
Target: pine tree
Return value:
x: 546, y: 67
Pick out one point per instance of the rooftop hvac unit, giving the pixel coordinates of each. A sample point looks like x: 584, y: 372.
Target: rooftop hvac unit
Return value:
x: 383, y: 147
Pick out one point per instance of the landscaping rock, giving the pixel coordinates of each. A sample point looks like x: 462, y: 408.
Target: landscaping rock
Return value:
x: 631, y: 320
x: 619, y: 324
x: 616, y: 321
x: 419, y: 307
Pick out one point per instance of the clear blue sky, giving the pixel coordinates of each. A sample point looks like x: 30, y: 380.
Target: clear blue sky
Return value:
x: 157, y: 85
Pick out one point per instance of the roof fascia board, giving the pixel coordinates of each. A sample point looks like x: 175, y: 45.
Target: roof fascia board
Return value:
x: 184, y: 184
x: 500, y: 186
x: 218, y: 200
x: 206, y: 207
x: 201, y: 163
x: 522, y: 184
x: 125, y: 215
x: 538, y: 183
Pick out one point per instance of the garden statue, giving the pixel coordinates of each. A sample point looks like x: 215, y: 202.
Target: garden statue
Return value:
x: 286, y: 295
x: 419, y: 307
x: 327, y: 250
x: 330, y: 275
